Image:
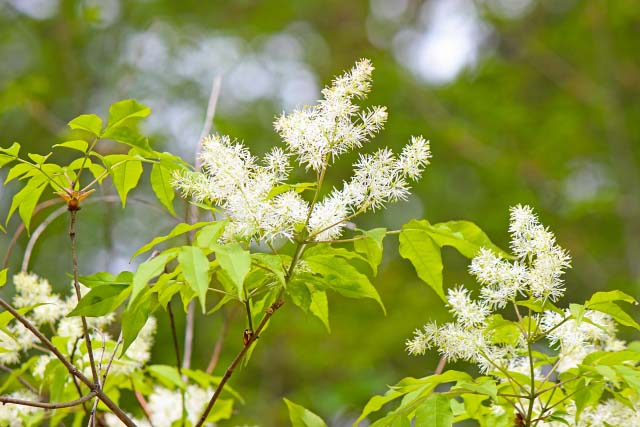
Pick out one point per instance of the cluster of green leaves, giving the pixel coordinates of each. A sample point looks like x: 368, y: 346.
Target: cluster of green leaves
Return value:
x: 37, y: 172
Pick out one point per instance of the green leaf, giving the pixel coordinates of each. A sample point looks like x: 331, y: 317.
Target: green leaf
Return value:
x: 435, y: 412
x: 135, y: 317
x: 38, y: 158
x: 487, y: 387
x: 371, y: 247
x: 161, y: 185
x: 176, y: 231
x: 125, y: 174
x: 586, y: 394
x: 12, y: 151
x: 417, y: 246
x: 408, y: 385
x: 18, y: 171
x: 236, y: 262
x: 614, y: 310
x: 631, y: 376
x: 147, y: 271
x: 302, y: 417
x: 24, y: 193
x: 88, y: 122
x: 3, y: 277
x: 8, y: 155
x: 123, y: 112
x: 208, y: 236
x: 168, y: 375
x: 502, y: 331
x: 320, y: 307
x: 29, y: 204
x: 602, y: 297
x: 609, y: 358
x: 195, y: 268
x: 76, y: 144
x: 343, y: 277
x: 283, y: 188
x: 271, y: 263
x: 129, y: 137
x: 465, y: 236
x: 305, y: 294
x: 104, y: 278
x: 101, y: 300
x: 577, y: 311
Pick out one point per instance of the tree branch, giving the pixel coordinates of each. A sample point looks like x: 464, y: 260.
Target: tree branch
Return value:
x: 269, y: 312
x: 70, y: 367
x: 44, y: 405
x: 76, y: 285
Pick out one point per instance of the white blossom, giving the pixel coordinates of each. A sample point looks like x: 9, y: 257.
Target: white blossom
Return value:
x: 165, y: 406
x: 319, y: 134
x: 14, y: 415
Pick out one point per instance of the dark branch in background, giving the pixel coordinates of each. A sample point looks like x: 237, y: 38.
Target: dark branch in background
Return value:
x: 142, y: 403
x: 70, y: 367
x: 75, y: 380
x: 174, y: 335
x: 20, y: 379
x: 269, y: 312
x: 217, y: 348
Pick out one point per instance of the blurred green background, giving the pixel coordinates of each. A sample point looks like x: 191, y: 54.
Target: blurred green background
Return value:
x: 524, y: 101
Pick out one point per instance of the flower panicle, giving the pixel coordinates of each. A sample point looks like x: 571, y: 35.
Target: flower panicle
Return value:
x: 250, y: 190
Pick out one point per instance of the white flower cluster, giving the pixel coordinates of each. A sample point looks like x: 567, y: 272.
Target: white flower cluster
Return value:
x: 15, y: 415
x: 52, y: 309
x: 250, y: 194
x: 575, y: 340
x: 321, y: 133
x: 536, y: 273
x: 234, y: 180
x: 165, y: 408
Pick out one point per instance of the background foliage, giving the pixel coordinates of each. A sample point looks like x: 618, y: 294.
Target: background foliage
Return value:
x: 523, y: 101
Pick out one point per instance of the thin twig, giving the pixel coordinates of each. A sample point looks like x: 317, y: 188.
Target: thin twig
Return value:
x: 194, y: 213
x: 174, y: 335
x: 441, y: 365
x: 113, y: 355
x: 20, y: 379
x: 269, y: 312
x: 142, y: 403
x: 217, y: 348
x: 53, y: 405
x: 76, y: 285
x: 70, y: 367
x: 75, y: 380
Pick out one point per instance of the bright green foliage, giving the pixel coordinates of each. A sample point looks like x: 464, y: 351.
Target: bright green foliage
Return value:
x: 420, y: 243
x: 302, y: 417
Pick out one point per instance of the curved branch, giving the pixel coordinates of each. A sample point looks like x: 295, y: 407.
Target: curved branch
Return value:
x: 44, y: 405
